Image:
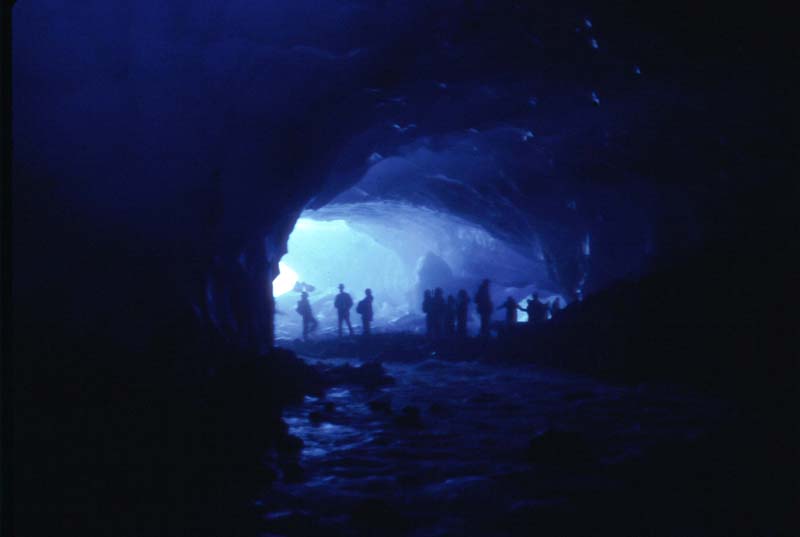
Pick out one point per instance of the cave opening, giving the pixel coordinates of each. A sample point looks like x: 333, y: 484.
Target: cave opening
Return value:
x: 398, y: 250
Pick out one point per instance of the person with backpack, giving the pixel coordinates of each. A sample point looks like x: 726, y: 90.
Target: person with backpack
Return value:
x: 364, y: 309
x: 510, y: 305
x: 304, y: 309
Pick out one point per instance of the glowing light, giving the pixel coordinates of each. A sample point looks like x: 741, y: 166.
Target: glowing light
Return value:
x: 285, y: 280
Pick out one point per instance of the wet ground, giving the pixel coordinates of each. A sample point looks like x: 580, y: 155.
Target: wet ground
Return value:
x: 468, y: 448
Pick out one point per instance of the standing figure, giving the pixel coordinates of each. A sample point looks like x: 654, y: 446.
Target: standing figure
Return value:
x: 483, y: 301
x: 529, y: 310
x: 537, y: 311
x: 343, y: 303
x: 450, y: 316
x: 555, y: 307
x: 304, y: 309
x: 364, y: 309
x: 427, y: 308
x: 510, y: 306
x: 462, y: 311
x: 439, y: 308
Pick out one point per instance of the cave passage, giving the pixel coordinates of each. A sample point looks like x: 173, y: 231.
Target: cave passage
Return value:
x: 397, y: 250
x: 184, y: 171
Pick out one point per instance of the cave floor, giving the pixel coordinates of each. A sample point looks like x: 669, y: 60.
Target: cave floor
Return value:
x: 460, y: 462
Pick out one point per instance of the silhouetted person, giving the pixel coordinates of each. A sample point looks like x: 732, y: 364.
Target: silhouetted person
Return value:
x: 450, y: 316
x: 462, y: 311
x: 537, y: 311
x: 364, y: 309
x: 555, y: 307
x: 439, y: 309
x: 483, y: 302
x: 528, y: 309
x: 510, y: 305
x: 304, y: 309
x: 343, y: 303
x: 427, y: 308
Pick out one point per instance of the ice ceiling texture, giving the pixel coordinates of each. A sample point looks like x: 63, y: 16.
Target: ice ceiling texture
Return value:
x: 185, y: 139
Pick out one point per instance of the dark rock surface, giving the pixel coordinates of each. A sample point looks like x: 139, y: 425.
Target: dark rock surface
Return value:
x: 629, y: 460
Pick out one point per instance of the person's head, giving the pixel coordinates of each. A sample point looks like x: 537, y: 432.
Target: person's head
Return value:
x: 535, y: 296
x: 304, y: 295
x: 341, y: 287
x: 462, y: 292
x: 451, y: 298
x: 530, y: 301
x: 557, y: 302
x: 368, y: 292
x: 439, y: 292
x: 485, y: 283
x: 427, y: 293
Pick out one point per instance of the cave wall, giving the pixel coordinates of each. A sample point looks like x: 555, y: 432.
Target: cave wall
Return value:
x: 158, y: 144
x: 162, y: 151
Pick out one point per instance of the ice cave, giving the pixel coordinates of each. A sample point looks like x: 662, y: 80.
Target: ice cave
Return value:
x: 575, y: 219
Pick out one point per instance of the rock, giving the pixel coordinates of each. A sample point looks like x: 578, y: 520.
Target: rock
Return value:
x: 438, y: 409
x: 581, y: 394
x: 371, y: 375
x: 289, y: 444
x: 292, y: 472
x: 559, y: 447
x: 381, y: 406
x: 409, y: 418
x: 374, y: 516
x: 484, y: 397
x: 330, y: 407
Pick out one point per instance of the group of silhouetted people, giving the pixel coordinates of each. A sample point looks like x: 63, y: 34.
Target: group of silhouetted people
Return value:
x: 444, y: 317
x: 538, y: 311
x: 343, y: 303
x: 448, y: 317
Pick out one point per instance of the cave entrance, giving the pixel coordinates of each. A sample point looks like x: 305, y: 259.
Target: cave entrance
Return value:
x: 397, y: 250
x: 325, y: 253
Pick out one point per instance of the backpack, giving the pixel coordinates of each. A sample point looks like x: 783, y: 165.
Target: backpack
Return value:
x: 360, y: 307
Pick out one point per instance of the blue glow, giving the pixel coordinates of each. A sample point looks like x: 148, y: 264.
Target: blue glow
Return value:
x: 381, y: 245
x: 285, y: 281
x: 331, y: 252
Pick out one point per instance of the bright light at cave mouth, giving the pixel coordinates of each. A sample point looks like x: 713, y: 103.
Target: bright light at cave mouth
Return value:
x: 285, y: 281
x: 397, y: 251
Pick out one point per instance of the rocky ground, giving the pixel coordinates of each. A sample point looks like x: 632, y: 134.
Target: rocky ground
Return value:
x: 423, y: 445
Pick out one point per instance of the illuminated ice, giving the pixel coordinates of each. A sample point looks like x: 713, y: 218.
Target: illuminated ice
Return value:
x: 285, y: 281
x: 382, y: 246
